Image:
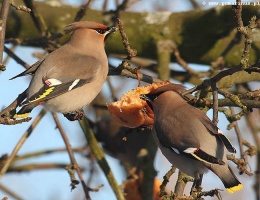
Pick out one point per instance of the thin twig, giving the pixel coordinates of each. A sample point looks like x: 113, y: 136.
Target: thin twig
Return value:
x: 247, y: 103
x: 15, y: 57
x: 166, y: 179
x: 82, y: 11
x: 232, y: 118
x: 246, y: 31
x: 37, y: 41
x: 20, y: 7
x: 239, y: 136
x: 241, y: 164
x: 130, y: 52
x: 104, y: 6
x: 215, y: 103
x: 8, y: 121
x: 238, y: 13
x: 92, y: 168
x: 183, y: 63
x: 211, y: 193
x: 195, y: 5
x: 72, y: 159
x: 10, y: 192
x: 233, y: 98
x: 252, y: 150
x: 37, y: 18
x: 221, y: 102
x: 7, y: 58
x: 51, y: 151
x: 100, y: 157
x: 3, y: 17
x: 25, y: 136
x: 40, y: 166
x: 123, y: 5
x: 254, y: 126
x: 128, y: 74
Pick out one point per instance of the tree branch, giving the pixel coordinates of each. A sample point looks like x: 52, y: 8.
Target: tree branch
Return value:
x: 25, y: 136
x: 100, y: 157
x: 145, y: 39
x: 3, y: 17
x: 74, y: 165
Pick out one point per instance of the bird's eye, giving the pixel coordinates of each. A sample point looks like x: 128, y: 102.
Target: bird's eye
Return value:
x: 101, y: 31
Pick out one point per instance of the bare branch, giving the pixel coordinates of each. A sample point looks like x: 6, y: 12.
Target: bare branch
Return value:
x: 20, y: 7
x: 25, y: 136
x: 10, y: 192
x: 37, y: 18
x: 82, y: 11
x: 241, y: 164
x: 3, y: 17
x: 166, y: 179
x: 74, y: 164
x: 100, y: 157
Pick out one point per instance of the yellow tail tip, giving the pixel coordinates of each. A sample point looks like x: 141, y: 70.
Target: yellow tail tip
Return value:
x: 235, y: 188
x: 20, y: 115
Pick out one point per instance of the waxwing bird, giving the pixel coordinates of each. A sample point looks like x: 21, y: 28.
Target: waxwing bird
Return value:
x: 188, y: 138
x: 70, y: 77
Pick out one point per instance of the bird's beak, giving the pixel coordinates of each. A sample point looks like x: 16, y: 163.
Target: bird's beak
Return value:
x: 110, y: 30
x: 145, y: 97
x: 148, y: 97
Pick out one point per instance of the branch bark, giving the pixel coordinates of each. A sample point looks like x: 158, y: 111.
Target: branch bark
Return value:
x: 100, y: 157
x: 144, y: 30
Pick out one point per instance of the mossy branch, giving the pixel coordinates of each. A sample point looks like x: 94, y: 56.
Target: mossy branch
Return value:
x: 185, y: 29
x: 100, y: 157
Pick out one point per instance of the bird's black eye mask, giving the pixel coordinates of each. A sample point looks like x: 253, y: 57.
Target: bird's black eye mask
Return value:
x: 149, y: 98
x: 101, y: 31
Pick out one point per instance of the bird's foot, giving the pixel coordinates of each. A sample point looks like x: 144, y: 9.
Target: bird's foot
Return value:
x: 196, y: 186
x: 195, y: 190
x: 73, y: 116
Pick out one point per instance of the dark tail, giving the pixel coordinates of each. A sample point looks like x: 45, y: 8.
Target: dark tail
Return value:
x: 227, y: 177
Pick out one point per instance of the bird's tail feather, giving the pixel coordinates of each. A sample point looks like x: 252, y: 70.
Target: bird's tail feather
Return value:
x: 231, y: 182
x: 24, y: 111
x: 227, y: 177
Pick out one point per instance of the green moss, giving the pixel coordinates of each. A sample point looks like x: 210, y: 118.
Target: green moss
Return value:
x: 201, y: 35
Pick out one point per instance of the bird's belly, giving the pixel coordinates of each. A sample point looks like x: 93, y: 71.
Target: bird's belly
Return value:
x: 183, y: 162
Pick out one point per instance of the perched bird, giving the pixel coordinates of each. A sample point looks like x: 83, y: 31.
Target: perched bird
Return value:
x: 71, y: 76
x: 188, y: 138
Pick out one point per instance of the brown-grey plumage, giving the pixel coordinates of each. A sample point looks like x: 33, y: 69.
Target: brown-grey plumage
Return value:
x: 188, y: 138
x: 70, y: 77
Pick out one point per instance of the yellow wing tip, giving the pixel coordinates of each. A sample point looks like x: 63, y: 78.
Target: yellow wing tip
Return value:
x: 21, y: 115
x: 235, y: 188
